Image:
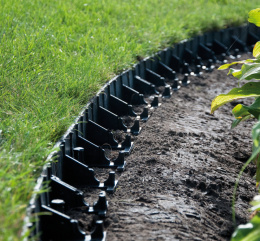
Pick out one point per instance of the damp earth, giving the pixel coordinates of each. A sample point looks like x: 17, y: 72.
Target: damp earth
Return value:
x: 179, y: 177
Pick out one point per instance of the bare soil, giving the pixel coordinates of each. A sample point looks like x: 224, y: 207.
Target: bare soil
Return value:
x: 179, y: 178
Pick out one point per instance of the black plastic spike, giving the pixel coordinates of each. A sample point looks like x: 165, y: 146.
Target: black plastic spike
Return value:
x: 132, y: 96
x: 176, y: 84
x: 144, y: 86
x: 119, y: 163
x: 111, y: 183
x: 236, y: 53
x: 71, y: 195
x: 154, y: 78
x: 198, y: 61
x: 197, y: 71
x: 109, y: 120
x: 100, y: 207
x: 167, y: 92
x: 222, y: 58
x: 95, y: 155
x: 186, y: 69
x: 135, y: 129
x: 57, y: 226
x: 120, y: 107
x: 98, y: 234
x: 209, y: 66
x: 144, y: 115
x: 127, y: 145
x: 155, y: 102
x: 175, y: 63
x: 185, y: 80
x: 166, y: 71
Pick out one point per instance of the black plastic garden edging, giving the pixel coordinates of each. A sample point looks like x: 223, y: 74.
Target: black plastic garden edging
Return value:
x: 80, y: 148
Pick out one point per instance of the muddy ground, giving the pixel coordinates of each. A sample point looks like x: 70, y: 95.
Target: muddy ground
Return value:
x: 179, y: 178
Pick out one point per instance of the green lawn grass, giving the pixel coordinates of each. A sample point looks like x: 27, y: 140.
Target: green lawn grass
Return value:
x: 55, y: 54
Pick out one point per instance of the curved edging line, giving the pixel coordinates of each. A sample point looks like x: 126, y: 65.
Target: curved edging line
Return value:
x: 80, y: 148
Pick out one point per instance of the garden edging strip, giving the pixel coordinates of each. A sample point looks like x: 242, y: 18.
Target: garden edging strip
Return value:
x: 151, y: 79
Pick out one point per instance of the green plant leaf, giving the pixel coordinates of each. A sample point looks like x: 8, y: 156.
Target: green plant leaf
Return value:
x: 257, y: 170
x: 241, y: 114
x: 254, y: 109
x: 250, y: 71
x: 240, y: 111
x: 254, y: 17
x: 256, y: 50
x: 225, y: 66
x: 235, y: 72
x: 256, y: 139
x: 249, y: 231
x: 251, y: 89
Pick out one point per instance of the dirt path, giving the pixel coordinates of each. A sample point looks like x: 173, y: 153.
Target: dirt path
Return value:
x: 179, y: 178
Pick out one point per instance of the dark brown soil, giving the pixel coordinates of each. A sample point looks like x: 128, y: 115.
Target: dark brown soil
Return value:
x: 179, y: 179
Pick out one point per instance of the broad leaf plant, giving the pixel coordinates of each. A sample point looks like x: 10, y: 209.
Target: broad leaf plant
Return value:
x: 249, y: 72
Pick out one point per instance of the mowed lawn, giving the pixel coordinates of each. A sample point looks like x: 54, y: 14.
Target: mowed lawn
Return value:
x: 55, y: 55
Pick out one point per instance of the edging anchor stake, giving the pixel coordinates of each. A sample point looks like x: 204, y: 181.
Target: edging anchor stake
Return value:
x: 98, y: 234
x: 185, y: 80
x: 155, y: 102
x: 167, y: 92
